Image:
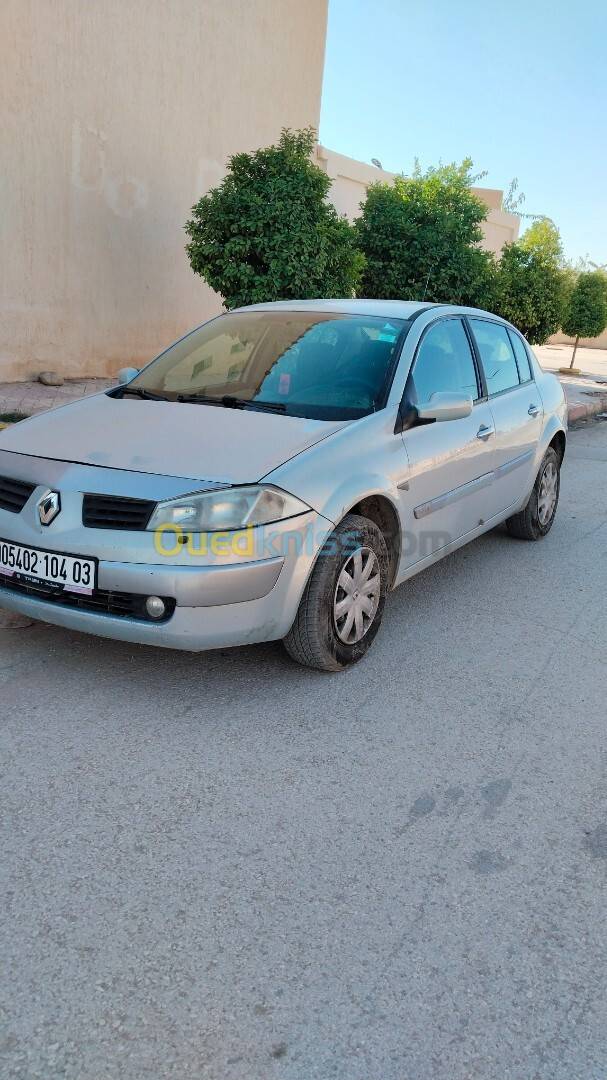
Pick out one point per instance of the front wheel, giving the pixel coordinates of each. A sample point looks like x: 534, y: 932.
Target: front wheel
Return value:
x: 535, y: 520
x: 343, y: 602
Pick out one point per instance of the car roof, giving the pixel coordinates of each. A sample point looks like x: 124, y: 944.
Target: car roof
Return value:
x: 384, y: 309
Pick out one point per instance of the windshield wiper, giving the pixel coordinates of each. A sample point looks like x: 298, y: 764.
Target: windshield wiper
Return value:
x: 147, y: 395
x: 241, y: 403
x: 229, y: 402
x: 197, y: 399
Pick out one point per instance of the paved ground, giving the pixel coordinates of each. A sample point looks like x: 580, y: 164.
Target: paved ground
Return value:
x: 586, y: 394
x: 590, y: 361
x: 33, y: 397
x: 226, y: 867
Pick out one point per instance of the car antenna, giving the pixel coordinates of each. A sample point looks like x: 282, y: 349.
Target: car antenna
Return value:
x: 426, y: 285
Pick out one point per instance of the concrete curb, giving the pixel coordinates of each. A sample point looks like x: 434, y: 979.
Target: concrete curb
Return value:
x: 580, y: 410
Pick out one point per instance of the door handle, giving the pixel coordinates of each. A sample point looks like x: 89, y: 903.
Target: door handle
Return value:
x: 484, y: 432
x: 533, y: 410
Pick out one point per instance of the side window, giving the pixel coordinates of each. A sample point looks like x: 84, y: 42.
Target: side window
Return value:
x: 497, y: 356
x: 524, y: 367
x: 444, y: 362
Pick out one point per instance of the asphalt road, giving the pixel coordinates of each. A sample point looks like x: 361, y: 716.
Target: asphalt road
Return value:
x: 229, y: 868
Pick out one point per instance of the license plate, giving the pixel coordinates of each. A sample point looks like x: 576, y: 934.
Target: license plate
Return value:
x: 69, y: 572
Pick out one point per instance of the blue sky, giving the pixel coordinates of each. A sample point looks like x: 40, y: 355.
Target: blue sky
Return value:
x: 521, y: 88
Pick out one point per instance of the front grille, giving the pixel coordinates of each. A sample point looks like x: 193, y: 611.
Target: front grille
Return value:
x: 14, y: 494
x: 112, y: 512
x: 124, y: 605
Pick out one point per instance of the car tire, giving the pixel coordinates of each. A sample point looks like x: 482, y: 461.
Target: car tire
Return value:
x: 335, y: 626
x: 535, y: 520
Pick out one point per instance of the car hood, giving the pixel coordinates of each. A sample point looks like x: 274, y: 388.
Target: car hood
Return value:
x: 202, y: 442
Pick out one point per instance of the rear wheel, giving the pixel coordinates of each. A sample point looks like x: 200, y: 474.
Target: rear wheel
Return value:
x: 343, y: 602
x: 535, y: 520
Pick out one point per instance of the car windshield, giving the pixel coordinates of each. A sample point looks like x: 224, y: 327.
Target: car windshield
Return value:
x: 320, y: 365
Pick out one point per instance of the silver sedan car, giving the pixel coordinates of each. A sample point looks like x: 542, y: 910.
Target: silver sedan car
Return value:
x: 276, y: 472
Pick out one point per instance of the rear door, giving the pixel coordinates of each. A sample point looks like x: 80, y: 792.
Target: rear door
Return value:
x: 451, y: 461
x: 516, y: 407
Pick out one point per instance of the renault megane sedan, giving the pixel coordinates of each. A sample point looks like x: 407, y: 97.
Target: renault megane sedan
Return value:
x: 276, y: 472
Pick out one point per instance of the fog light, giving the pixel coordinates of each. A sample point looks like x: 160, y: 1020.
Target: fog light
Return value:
x: 155, y: 607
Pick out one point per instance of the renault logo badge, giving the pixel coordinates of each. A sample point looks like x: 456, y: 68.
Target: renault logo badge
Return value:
x: 48, y: 507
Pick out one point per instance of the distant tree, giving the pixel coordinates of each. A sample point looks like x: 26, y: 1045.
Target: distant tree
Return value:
x: 421, y: 235
x: 267, y: 232
x: 569, y: 276
x: 543, y: 239
x: 513, y: 199
x: 586, y: 315
x: 530, y: 283
x: 585, y: 263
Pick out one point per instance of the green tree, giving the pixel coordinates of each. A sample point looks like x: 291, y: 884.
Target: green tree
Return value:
x: 267, y: 232
x: 420, y: 238
x: 513, y: 199
x: 530, y: 284
x: 587, y: 310
x: 543, y: 239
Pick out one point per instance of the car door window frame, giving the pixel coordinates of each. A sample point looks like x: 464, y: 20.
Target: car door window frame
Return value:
x: 493, y: 322
x: 480, y: 381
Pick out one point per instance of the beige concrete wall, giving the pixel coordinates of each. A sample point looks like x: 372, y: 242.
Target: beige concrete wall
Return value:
x: 499, y: 228
x: 117, y: 116
x: 351, y: 179
x: 585, y: 343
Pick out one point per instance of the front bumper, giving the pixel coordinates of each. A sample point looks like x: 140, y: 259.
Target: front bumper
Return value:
x: 203, y: 586
x: 216, y: 606
x: 267, y: 618
x: 221, y: 599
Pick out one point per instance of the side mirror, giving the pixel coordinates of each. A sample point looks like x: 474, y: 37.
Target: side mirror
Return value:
x: 127, y: 373
x: 446, y: 406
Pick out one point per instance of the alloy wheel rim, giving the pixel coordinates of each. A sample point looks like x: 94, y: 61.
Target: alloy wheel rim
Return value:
x: 357, y: 596
x: 547, y: 495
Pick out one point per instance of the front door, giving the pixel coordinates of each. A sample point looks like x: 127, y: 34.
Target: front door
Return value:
x: 451, y: 461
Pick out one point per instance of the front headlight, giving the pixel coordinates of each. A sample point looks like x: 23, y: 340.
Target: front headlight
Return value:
x: 227, y: 510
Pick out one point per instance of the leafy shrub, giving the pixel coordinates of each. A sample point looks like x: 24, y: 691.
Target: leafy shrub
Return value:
x: 586, y: 315
x: 530, y: 285
x: 420, y: 238
x: 267, y: 232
